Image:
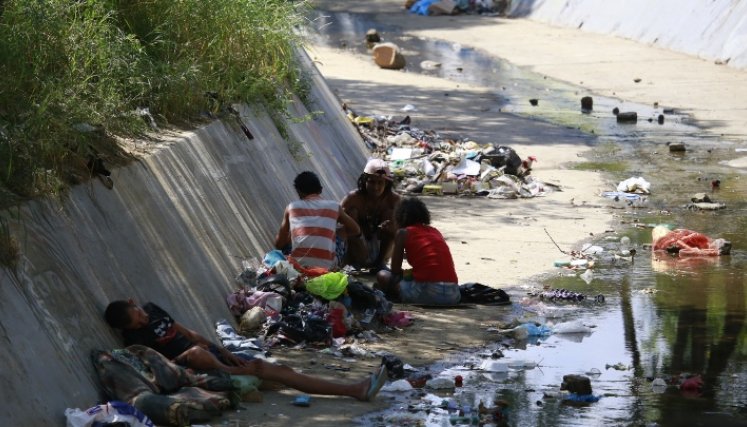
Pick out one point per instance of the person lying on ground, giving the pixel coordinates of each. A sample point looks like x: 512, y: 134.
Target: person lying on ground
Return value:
x: 372, y: 206
x: 153, y: 327
x: 310, y: 225
x: 434, y: 280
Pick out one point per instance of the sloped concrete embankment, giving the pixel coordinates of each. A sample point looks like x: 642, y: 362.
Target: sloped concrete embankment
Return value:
x: 713, y: 30
x: 173, y: 230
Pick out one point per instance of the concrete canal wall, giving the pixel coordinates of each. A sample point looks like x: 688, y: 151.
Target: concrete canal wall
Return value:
x: 173, y: 230
x: 713, y: 30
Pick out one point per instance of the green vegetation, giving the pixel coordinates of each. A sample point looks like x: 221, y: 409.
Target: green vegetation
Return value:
x: 74, y: 73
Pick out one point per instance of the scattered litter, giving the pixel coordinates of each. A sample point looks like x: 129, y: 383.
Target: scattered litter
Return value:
x: 303, y: 401
x: 572, y: 327
x: 399, y: 385
x: 617, y: 366
x: 440, y: 383
x: 634, y: 185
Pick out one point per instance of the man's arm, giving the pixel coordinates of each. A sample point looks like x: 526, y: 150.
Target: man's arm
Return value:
x: 283, y: 238
x: 351, y: 227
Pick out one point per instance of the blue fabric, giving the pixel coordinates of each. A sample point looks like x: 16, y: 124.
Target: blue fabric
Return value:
x: 583, y: 398
x: 421, y: 7
x: 536, y: 331
x: 272, y: 257
x: 438, y: 293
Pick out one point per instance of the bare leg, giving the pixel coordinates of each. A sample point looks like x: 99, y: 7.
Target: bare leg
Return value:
x: 199, y: 358
x: 386, y: 283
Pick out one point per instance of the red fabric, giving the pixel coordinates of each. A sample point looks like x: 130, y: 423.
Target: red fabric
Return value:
x: 429, y: 255
x: 689, y: 242
x: 307, y: 271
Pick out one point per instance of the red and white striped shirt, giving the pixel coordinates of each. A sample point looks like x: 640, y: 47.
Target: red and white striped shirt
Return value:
x: 313, y: 224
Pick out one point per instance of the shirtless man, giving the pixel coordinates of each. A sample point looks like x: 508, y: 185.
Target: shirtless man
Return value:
x: 372, y: 206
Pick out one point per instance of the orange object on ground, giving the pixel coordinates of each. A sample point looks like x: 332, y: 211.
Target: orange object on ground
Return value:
x: 688, y: 243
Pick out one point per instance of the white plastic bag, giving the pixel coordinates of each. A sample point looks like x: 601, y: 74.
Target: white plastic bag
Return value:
x: 399, y: 385
x: 572, y: 327
x: 110, y: 413
x: 635, y: 184
x: 285, y: 267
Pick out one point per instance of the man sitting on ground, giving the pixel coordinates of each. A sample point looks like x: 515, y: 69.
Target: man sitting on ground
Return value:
x: 153, y: 327
x: 372, y: 206
x: 310, y: 225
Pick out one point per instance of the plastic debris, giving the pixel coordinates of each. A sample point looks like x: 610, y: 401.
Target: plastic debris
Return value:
x: 635, y: 185
x: 399, y: 385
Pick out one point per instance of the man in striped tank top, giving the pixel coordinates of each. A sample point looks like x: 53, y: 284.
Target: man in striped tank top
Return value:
x: 310, y: 225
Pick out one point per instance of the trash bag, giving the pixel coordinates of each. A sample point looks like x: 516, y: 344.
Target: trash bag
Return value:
x: 635, y: 184
x: 361, y: 296
x: 296, y: 329
x: 477, y: 293
x: 328, y: 286
x: 277, y: 283
x: 506, y: 158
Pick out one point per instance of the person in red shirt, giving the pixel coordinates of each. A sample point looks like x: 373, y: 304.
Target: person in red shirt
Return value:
x: 434, y: 280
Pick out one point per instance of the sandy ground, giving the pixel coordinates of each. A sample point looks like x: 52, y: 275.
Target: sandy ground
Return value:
x: 497, y: 242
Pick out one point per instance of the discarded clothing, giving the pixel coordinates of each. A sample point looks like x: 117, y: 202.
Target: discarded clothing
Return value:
x: 329, y: 286
x: 422, y: 7
x: 688, y: 243
x: 246, y: 348
x: 111, y: 413
x: 167, y: 393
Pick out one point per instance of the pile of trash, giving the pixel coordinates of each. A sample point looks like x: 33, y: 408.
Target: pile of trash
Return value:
x: 451, y: 7
x: 281, y: 303
x: 425, y: 162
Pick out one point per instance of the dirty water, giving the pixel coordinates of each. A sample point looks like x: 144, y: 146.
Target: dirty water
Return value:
x: 662, y: 316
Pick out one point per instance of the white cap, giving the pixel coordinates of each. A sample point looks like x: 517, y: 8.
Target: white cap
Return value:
x: 378, y: 167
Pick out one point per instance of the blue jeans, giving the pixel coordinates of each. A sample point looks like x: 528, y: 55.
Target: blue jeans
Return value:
x: 429, y: 293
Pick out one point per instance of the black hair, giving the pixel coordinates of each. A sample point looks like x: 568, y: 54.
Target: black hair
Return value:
x: 307, y: 183
x: 117, y: 314
x: 411, y: 211
x: 362, y: 185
